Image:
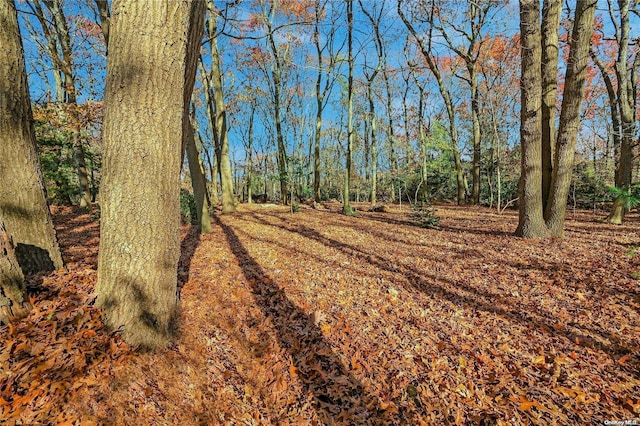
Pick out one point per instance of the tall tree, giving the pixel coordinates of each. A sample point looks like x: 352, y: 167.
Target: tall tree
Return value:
x: 23, y: 205
x: 425, y: 41
x: 346, y: 207
x: 621, y: 84
x: 198, y: 181
x: 220, y: 133
x: 326, y: 62
x: 56, y: 31
x: 570, y: 115
x: 370, y: 76
x: 531, y: 221
x: 551, y: 13
x: 153, y: 48
x: 467, y: 45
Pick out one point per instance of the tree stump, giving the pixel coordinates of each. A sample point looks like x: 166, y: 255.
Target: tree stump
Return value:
x: 14, y: 303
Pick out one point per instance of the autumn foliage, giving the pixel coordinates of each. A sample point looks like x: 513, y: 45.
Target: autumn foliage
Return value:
x: 319, y: 318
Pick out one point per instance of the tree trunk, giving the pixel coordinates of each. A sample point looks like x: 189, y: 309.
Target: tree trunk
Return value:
x: 551, y: 12
x: 150, y: 74
x: 14, y: 303
x: 346, y: 207
x: 197, y: 182
x: 627, y: 110
x: 66, y: 66
x: 23, y: 205
x: 531, y: 222
x: 475, y: 116
x: 570, y: 116
x: 222, y: 142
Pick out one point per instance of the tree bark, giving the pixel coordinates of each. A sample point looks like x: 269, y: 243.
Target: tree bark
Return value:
x: 150, y: 74
x: 66, y: 66
x: 570, y: 116
x: 197, y: 181
x: 551, y: 12
x: 23, y: 205
x: 14, y: 303
x: 531, y: 222
x: 346, y: 207
x: 222, y: 140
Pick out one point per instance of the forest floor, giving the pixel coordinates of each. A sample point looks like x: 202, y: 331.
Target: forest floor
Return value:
x: 320, y: 318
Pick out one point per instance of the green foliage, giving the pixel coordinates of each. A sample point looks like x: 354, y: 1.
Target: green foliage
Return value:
x: 57, y: 163
x: 187, y: 207
x: 295, y: 207
x: 630, y: 195
x: 425, y: 216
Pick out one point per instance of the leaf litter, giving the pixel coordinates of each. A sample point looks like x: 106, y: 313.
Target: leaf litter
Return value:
x: 320, y: 318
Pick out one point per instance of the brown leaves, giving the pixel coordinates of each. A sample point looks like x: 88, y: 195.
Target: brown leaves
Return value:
x: 319, y: 318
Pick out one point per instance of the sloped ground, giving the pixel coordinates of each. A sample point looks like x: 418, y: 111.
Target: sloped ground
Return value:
x: 319, y: 318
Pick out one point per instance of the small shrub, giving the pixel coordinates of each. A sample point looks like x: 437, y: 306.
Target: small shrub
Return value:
x: 187, y: 207
x: 295, y: 207
x: 425, y: 216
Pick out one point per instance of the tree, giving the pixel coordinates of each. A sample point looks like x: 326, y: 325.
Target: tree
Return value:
x: 153, y: 48
x: 425, y: 42
x: 570, y: 116
x: 213, y: 84
x: 371, y: 114
x: 346, y: 208
x: 532, y: 222
x: 621, y: 83
x: 198, y: 181
x: 469, y: 31
x: 56, y: 31
x: 23, y: 206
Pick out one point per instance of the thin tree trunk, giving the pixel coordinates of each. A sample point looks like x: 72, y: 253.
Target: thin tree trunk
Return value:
x: 197, y: 181
x: 222, y: 145
x: 346, y: 207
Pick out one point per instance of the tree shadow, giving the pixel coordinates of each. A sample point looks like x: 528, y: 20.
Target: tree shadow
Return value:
x: 188, y: 246
x: 337, y: 396
x: 475, y: 298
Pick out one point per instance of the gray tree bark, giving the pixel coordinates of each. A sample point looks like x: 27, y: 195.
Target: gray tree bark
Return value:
x: 150, y: 74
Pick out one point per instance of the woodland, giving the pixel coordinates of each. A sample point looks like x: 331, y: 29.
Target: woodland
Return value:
x: 358, y: 212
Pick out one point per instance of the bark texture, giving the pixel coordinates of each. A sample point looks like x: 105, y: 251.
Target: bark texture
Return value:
x: 198, y: 183
x: 153, y: 48
x: 570, y: 115
x: 551, y: 12
x: 23, y: 205
x: 14, y: 303
x: 221, y: 134
x: 531, y: 222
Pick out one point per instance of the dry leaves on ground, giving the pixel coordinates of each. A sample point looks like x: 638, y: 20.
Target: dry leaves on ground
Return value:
x: 320, y: 318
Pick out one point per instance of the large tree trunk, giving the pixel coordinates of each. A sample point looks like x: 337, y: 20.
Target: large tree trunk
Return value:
x: 531, y: 222
x: 14, y: 303
x: 23, y: 205
x: 150, y: 74
x: 551, y: 12
x: 570, y: 115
